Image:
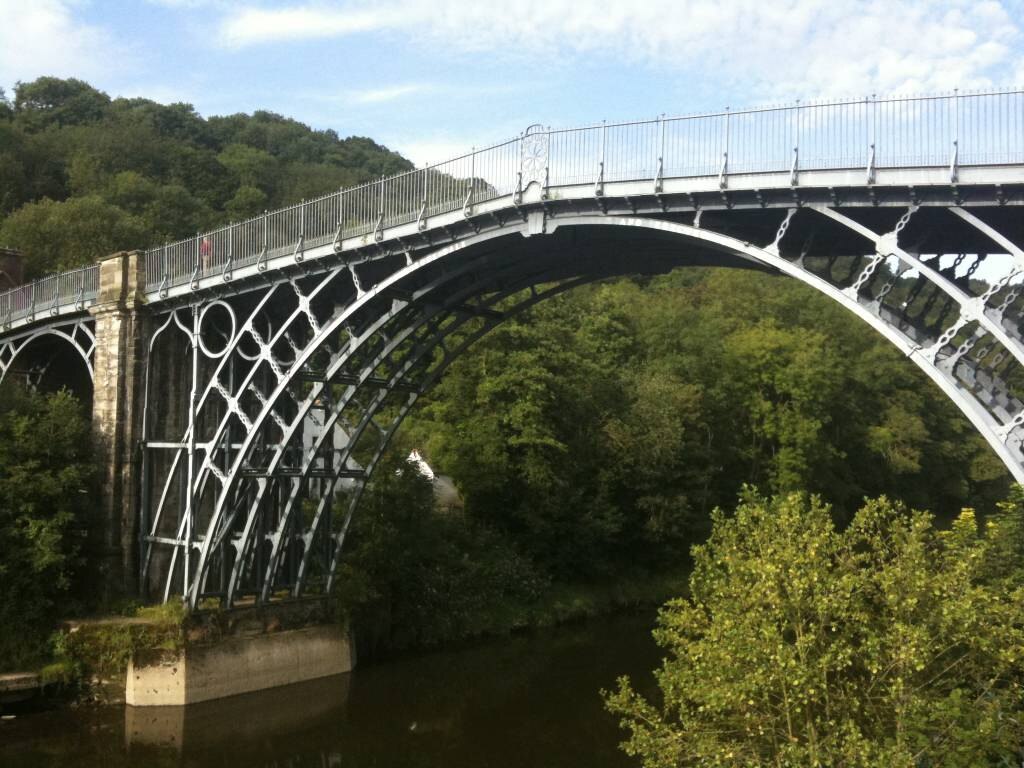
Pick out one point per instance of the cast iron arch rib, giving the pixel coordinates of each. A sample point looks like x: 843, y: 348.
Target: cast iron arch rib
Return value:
x: 401, y: 319
x: 76, y: 333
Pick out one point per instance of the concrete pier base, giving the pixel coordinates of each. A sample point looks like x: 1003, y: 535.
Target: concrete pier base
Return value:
x: 237, y: 665
x: 251, y: 718
x: 18, y: 686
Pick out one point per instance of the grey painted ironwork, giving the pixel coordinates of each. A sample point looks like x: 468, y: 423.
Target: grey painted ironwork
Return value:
x: 53, y: 307
x: 287, y: 349
x: 293, y: 432
x: 57, y: 295
x: 948, y: 132
x: 76, y: 333
x: 367, y: 305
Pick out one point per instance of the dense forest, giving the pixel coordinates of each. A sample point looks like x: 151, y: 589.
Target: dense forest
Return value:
x: 590, y: 439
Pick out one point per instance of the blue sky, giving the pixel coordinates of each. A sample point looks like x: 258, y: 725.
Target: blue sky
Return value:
x: 431, y: 78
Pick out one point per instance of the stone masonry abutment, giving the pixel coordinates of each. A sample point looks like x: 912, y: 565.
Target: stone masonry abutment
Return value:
x: 118, y: 367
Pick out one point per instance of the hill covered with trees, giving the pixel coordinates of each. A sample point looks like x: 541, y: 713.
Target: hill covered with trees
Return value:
x: 83, y: 175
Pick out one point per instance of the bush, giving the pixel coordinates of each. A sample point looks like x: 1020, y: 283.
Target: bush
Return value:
x: 890, y: 643
x: 413, y: 577
x: 46, y: 474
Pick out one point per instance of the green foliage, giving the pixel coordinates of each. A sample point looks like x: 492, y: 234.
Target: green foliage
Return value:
x: 145, y: 172
x: 46, y: 475
x: 600, y: 429
x: 248, y: 201
x: 103, y: 648
x: 6, y: 108
x: 888, y: 643
x: 63, y: 235
x: 413, y: 576
x: 50, y: 101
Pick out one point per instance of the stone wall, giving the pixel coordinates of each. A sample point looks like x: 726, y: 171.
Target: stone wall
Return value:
x: 117, y: 398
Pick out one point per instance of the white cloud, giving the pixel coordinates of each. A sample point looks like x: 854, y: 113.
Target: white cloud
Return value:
x: 784, y: 48
x: 390, y: 93
x: 258, y: 25
x: 189, y: 4
x: 42, y: 37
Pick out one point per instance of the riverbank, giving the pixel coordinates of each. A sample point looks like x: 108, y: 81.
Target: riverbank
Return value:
x: 527, y: 700
x: 90, y: 656
x: 558, y: 605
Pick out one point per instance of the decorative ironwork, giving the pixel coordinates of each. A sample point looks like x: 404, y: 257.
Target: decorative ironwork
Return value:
x: 534, y: 155
x: 78, y: 334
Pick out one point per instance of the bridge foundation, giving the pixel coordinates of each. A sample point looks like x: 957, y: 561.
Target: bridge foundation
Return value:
x: 237, y: 665
x: 115, y: 415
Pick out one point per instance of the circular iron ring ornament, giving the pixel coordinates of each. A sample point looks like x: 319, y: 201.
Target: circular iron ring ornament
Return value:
x: 206, y: 324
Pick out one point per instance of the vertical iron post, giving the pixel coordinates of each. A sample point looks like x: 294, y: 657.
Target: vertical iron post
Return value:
x: 378, y: 230
x: 724, y: 170
x: 300, y: 246
x: 955, y: 158
x: 191, y: 467
x: 794, y: 169
x: 869, y: 176
x: 467, y: 205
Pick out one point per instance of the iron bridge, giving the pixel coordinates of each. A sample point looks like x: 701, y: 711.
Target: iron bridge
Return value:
x: 279, y: 355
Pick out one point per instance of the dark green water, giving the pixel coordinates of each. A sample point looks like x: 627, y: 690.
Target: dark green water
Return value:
x: 523, y: 701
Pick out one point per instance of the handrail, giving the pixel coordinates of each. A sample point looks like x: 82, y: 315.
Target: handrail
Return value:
x: 48, y: 295
x: 950, y: 130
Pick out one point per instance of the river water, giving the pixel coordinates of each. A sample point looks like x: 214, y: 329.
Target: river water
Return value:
x: 530, y: 700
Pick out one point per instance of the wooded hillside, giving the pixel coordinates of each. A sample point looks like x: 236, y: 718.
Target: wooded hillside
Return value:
x: 83, y: 175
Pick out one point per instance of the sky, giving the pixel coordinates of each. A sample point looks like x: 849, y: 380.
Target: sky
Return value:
x: 433, y: 78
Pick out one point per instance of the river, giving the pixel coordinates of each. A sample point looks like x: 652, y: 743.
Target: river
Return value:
x: 528, y: 700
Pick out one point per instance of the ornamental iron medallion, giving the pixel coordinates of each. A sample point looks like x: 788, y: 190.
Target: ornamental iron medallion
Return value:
x: 534, y: 155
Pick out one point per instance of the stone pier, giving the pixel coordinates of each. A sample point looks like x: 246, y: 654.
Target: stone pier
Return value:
x: 117, y: 397
x: 252, y: 718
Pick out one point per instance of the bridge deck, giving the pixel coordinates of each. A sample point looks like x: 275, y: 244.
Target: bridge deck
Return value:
x: 864, y: 151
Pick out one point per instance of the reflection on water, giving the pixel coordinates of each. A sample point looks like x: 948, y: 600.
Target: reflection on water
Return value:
x: 525, y: 701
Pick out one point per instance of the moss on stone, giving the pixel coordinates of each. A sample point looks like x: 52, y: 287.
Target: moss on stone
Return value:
x: 100, y: 649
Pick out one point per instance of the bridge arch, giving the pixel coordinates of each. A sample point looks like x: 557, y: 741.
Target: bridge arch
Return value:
x: 247, y: 527
x: 52, y: 356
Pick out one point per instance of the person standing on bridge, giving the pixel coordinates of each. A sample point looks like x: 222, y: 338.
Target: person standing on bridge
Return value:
x: 205, y: 253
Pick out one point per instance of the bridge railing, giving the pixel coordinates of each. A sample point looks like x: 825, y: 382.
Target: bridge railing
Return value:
x: 49, y: 295
x: 949, y: 130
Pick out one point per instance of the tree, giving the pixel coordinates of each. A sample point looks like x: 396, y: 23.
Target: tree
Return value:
x: 46, y: 475
x: 415, y: 576
x: 6, y: 108
x: 248, y: 201
x: 61, y: 235
x: 889, y: 643
x: 13, y: 184
x: 252, y: 167
x: 53, y: 101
